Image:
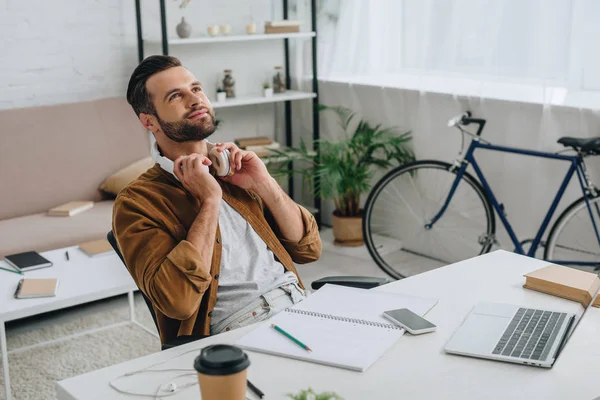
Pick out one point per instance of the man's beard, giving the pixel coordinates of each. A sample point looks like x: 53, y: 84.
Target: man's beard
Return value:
x: 188, y: 131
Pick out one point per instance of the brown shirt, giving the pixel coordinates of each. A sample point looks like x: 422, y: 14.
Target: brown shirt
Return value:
x: 150, y: 222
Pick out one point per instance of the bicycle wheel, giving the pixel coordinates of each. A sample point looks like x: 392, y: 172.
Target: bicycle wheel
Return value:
x: 406, y: 199
x: 573, y: 238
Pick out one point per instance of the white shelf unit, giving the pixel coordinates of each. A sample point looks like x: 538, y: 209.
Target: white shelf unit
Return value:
x: 250, y: 99
x: 289, y: 95
x: 232, y: 38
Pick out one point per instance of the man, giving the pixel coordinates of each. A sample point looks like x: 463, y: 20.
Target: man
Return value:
x: 211, y: 253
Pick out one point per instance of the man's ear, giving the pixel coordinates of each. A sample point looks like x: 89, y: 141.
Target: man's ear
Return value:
x: 149, y: 121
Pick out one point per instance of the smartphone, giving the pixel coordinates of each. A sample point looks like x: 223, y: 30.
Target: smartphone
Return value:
x: 413, y: 323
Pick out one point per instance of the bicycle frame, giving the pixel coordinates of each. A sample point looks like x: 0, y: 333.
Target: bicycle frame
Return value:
x: 576, y: 166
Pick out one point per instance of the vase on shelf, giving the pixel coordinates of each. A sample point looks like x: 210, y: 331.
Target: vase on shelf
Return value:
x: 267, y: 91
x: 251, y: 29
x: 278, y: 81
x: 213, y: 30
x: 229, y: 84
x: 225, y: 29
x: 184, y: 30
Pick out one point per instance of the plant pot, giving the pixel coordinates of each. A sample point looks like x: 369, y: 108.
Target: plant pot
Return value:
x: 347, y: 231
x: 221, y: 97
x: 268, y: 92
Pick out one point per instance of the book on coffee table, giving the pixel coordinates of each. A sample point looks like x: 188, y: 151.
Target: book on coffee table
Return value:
x: 565, y: 282
x: 97, y: 248
x: 27, y: 261
x: 70, y: 209
x: 33, y: 288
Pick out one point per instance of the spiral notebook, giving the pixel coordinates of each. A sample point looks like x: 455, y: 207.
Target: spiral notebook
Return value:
x: 342, y: 325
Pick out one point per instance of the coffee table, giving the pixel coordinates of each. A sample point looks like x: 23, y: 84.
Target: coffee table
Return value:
x: 82, y: 279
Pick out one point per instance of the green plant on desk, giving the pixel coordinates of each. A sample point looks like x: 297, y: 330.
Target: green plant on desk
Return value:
x: 310, y: 395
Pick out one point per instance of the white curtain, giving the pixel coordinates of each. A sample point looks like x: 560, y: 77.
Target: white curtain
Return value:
x: 542, y: 41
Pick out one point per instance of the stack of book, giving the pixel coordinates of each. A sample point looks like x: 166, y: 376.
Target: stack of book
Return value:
x: 283, y: 26
x: 261, y: 145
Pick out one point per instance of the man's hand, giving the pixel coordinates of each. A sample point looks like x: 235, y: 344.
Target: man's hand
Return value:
x: 193, y: 173
x: 250, y: 171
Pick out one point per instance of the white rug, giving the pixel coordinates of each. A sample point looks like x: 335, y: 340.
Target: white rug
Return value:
x: 33, y: 373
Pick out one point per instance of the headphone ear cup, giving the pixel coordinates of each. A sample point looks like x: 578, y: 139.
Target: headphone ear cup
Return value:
x: 220, y: 161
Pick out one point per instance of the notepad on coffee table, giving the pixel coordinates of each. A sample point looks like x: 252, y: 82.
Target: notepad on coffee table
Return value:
x: 342, y: 325
x: 565, y: 282
x: 96, y: 248
x: 32, y: 288
x: 27, y: 261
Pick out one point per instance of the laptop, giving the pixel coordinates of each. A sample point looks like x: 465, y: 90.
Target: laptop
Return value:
x: 511, y: 333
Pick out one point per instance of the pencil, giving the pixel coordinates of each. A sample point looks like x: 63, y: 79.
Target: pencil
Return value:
x: 12, y: 270
x: 293, y: 339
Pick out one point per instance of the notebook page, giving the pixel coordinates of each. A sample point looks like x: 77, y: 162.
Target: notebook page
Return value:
x: 364, y: 304
x: 334, y: 343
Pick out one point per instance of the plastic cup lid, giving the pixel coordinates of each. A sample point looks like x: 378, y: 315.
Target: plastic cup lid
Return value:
x: 221, y: 359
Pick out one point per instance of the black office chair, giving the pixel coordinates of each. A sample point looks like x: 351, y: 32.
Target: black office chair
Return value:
x: 363, y: 282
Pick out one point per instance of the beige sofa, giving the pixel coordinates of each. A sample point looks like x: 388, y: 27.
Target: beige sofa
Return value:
x: 56, y: 154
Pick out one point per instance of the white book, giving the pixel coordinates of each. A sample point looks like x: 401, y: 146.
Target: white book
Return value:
x: 71, y: 208
x: 343, y: 327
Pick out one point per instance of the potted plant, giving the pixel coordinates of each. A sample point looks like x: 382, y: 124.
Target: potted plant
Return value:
x: 311, y: 395
x: 221, y: 95
x: 344, y: 168
x: 267, y: 90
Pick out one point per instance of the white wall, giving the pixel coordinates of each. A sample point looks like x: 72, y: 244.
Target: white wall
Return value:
x: 64, y: 51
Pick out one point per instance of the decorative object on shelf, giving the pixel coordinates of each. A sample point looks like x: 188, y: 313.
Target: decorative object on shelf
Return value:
x: 267, y: 90
x: 283, y: 26
x: 225, y: 29
x: 251, y: 29
x: 221, y: 95
x: 345, y: 168
x: 184, y: 30
x: 213, y: 30
x: 310, y: 395
x: 278, y: 81
x: 229, y: 84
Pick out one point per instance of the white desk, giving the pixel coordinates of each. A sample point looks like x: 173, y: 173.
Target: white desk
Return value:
x: 416, y: 367
x: 81, y: 279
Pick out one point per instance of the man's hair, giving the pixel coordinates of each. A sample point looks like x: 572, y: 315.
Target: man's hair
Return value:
x: 137, y: 94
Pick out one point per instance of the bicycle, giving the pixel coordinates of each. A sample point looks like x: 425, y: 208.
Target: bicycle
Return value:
x: 439, y: 211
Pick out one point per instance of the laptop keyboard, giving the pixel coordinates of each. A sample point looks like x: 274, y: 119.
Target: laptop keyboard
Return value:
x: 530, y: 334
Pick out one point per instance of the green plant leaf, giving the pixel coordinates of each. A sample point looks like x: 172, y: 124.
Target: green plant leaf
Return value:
x: 344, y: 168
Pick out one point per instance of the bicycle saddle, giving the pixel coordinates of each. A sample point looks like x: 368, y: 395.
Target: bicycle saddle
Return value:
x: 587, y: 145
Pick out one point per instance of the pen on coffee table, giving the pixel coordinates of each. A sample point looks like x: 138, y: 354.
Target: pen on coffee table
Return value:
x: 293, y: 339
x: 67, y: 255
x: 256, y: 390
x: 12, y: 270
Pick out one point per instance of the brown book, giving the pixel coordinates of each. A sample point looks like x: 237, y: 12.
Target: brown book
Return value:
x: 96, y: 247
x: 596, y: 302
x: 565, y: 282
x: 32, y: 288
x: 253, y: 141
x: 70, y: 209
x: 282, y: 29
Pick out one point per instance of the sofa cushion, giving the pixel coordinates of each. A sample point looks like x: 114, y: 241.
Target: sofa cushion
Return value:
x: 120, y: 179
x: 55, y: 154
x: 41, y: 232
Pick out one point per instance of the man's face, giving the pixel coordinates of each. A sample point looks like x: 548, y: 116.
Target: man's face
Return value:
x: 183, y: 110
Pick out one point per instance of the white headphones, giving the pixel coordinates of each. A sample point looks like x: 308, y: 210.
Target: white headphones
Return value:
x: 220, y: 160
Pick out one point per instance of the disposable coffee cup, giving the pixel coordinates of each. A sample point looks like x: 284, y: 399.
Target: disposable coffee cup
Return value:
x: 222, y: 371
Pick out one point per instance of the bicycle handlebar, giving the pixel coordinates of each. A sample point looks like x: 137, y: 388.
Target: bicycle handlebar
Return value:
x: 465, y: 119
